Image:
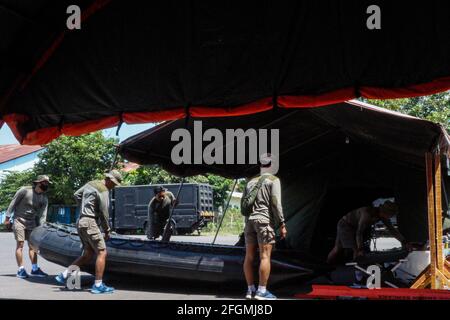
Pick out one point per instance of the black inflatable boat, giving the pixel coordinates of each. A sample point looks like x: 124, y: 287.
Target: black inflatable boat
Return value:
x: 176, y: 260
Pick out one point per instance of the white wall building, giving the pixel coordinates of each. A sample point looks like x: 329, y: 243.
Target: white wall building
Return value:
x: 235, y: 201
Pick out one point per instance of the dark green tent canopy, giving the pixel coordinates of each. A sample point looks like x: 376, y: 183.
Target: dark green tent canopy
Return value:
x: 140, y: 61
x: 332, y: 159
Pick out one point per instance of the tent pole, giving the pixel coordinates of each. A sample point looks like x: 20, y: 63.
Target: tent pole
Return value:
x: 431, y: 218
x: 166, y: 235
x: 436, y: 274
x: 438, y: 220
x: 113, y: 163
x: 113, y: 215
x: 225, y: 211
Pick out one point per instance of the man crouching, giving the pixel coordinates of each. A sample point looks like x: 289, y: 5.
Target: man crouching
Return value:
x: 93, y: 199
x: 351, y: 228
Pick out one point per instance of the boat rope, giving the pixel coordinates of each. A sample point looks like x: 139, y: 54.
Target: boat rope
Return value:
x: 62, y: 235
x: 77, y: 238
x: 137, y: 243
x: 63, y: 232
x: 118, y: 242
x: 225, y: 211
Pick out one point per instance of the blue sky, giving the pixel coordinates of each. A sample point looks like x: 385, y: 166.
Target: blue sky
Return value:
x: 6, y: 136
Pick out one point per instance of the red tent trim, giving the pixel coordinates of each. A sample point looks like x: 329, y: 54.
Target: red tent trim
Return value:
x: 45, y: 135
x: 76, y: 129
x: 417, y: 90
x: 317, y: 100
x: 252, y: 107
x: 158, y: 116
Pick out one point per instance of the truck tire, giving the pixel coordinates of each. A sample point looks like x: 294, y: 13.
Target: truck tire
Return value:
x: 174, y: 228
x: 145, y: 227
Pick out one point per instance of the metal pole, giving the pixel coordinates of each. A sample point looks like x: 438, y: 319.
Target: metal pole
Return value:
x: 113, y: 163
x: 167, y: 227
x: 225, y: 210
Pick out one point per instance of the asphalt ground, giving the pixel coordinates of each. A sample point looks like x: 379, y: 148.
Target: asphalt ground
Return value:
x: 127, y: 287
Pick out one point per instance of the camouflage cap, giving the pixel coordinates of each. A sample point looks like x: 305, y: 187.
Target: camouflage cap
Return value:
x: 114, y: 176
x: 159, y: 189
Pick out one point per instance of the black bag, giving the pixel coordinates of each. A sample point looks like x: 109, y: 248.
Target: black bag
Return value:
x: 249, y: 198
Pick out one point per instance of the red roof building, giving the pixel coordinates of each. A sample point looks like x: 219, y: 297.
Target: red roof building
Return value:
x: 14, y: 157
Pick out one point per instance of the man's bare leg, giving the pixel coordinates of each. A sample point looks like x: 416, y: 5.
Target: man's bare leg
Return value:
x: 250, y: 252
x: 87, y: 255
x: 84, y: 259
x: 32, y: 253
x: 100, y: 264
x: 19, y: 253
x: 333, y: 255
x: 265, y: 251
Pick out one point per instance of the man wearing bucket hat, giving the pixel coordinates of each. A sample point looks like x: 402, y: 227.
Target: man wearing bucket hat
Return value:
x: 351, y: 228
x: 93, y: 200
x: 29, y: 209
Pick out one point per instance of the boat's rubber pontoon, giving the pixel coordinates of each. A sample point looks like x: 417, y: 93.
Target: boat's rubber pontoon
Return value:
x: 175, y: 260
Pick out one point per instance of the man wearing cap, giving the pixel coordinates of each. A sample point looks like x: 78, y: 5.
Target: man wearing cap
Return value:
x: 29, y: 206
x: 93, y: 200
x: 351, y: 229
x: 159, y: 211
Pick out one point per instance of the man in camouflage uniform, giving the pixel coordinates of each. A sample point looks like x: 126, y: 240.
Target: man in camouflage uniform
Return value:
x: 260, y: 225
x: 93, y: 200
x: 351, y: 228
x: 29, y: 206
x: 159, y: 211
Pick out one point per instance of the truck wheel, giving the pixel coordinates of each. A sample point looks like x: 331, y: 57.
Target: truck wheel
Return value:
x: 174, y: 229
x: 145, y: 228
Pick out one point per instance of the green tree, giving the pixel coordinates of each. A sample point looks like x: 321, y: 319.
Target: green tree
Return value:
x: 72, y: 161
x: 233, y: 223
x: 434, y: 107
x: 12, y: 182
x: 152, y: 174
x: 221, y: 186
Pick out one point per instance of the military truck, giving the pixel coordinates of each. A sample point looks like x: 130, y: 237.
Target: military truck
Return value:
x: 129, y: 207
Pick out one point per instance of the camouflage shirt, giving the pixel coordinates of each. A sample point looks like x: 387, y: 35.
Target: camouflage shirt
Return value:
x: 93, y: 200
x: 267, y: 206
x: 162, y: 207
x: 29, y: 207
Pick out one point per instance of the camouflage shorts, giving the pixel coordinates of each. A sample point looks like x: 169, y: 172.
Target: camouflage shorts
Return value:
x: 259, y: 232
x: 90, y: 234
x: 21, y: 233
